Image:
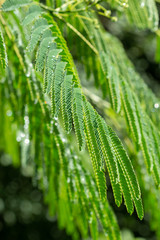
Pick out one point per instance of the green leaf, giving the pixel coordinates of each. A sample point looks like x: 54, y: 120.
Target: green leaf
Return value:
x: 50, y: 66
x: 42, y: 52
x: 10, y: 5
x: 58, y: 79
x: 33, y: 13
x: 77, y: 113
x: 37, y: 31
x: 66, y: 102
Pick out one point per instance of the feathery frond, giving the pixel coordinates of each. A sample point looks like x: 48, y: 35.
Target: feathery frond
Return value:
x: 10, y: 5
x: 78, y: 104
x: 121, y: 88
x: 47, y: 95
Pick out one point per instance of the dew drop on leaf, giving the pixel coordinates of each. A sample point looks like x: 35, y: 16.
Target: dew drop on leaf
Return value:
x: 142, y: 4
x: 156, y: 105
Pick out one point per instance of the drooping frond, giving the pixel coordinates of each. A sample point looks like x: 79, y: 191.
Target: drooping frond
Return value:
x: 128, y: 170
x: 111, y: 163
x: 33, y: 12
x: 68, y: 188
x: 41, y: 53
x: 66, y: 183
x: 39, y: 27
x: 117, y: 54
x: 66, y: 102
x: 50, y: 65
x: 57, y: 69
x: 121, y: 89
x: 77, y: 113
x: 119, y: 161
x: 58, y: 80
x: 122, y: 176
x: 94, y: 148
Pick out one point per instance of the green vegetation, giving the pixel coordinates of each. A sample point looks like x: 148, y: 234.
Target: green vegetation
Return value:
x: 71, y: 135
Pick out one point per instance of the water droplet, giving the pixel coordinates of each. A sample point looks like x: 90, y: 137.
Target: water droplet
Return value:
x: 9, y: 113
x: 27, y: 74
x: 90, y: 220
x: 156, y: 105
x: 22, y: 135
x: 26, y: 126
x: 18, y: 139
x: 26, y: 141
x: 82, y: 180
x: 55, y: 118
x: 138, y: 198
x: 142, y: 4
x: 106, y: 233
x: 26, y: 118
x: 68, y: 180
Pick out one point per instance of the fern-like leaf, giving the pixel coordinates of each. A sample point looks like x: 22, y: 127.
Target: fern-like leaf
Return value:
x: 50, y: 66
x: 112, y: 81
x: 77, y: 113
x: 10, y: 5
x: 111, y: 162
x: 41, y: 53
x: 130, y: 111
x: 33, y: 13
x: 58, y: 79
x: 128, y: 171
x: 39, y: 27
x: 66, y: 102
x: 85, y: 119
x: 94, y: 151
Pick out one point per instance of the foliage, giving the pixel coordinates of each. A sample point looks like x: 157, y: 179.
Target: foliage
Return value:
x: 41, y: 86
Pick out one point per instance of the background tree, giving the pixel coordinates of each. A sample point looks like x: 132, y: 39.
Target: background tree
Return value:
x: 45, y: 109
